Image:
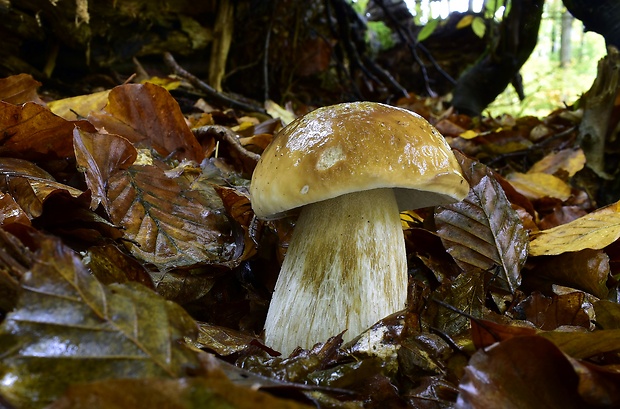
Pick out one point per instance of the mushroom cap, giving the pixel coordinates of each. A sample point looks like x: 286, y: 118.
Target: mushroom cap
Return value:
x: 353, y: 147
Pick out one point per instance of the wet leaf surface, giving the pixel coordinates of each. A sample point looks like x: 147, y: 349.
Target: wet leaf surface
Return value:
x: 129, y: 247
x: 67, y: 328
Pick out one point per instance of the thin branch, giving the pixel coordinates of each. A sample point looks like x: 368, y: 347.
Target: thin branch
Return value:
x: 210, y: 91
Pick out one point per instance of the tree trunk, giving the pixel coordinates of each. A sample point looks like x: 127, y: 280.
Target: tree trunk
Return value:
x: 565, y: 39
x: 517, y: 37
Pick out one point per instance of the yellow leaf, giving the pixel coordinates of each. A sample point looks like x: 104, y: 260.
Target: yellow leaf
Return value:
x: 166, y: 82
x: 469, y: 134
x: 465, y: 21
x: 80, y: 106
x: 570, y: 160
x: 537, y: 185
x: 593, y: 231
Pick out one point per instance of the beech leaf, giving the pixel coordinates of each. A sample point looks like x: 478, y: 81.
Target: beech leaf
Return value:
x: 148, y: 114
x: 68, y: 328
x: 32, y: 132
x: 168, y: 222
x: 595, y: 230
x: 521, y: 372
x: 483, y: 232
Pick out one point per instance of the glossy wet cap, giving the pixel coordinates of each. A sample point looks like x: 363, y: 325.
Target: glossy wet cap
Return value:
x: 354, y: 147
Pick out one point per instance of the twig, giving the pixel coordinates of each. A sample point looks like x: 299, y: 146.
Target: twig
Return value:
x: 211, y: 92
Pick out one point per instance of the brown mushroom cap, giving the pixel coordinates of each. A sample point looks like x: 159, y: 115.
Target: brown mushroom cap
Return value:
x: 354, y: 147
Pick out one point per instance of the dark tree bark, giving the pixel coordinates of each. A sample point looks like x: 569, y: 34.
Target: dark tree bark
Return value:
x: 516, y: 39
x: 600, y: 16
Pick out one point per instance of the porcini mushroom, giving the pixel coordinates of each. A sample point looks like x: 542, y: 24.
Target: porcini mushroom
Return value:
x: 350, y: 168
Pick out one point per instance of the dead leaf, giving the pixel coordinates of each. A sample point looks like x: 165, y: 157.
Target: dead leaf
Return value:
x: 69, y: 328
x: 20, y: 88
x: 79, y: 107
x: 483, y: 232
x: 587, y: 270
x: 585, y: 344
x: 593, y: 231
x: 607, y: 314
x: 32, y: 132
x: 549, y: 313
x: 569, y: 160
x: 538, y: 185
x: 147, y: 114
x: 168, y: 222
x: 486, y: 333
x: 519, y: 373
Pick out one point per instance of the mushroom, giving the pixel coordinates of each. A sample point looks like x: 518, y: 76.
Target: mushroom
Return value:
x: 350, y: 168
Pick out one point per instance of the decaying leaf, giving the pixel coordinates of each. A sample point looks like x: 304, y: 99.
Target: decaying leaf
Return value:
x: 596, y: 230
x: 569, y: 160
x: 69, y: 328
x: 483, y: 232
x: 549, y: 313
x: 32, y: 132
x: 19, y: 88
x: 147, y: 114
x: 587, y: 270
x: 538, y: 185
x: 168, y: 223
x: 80, y: 106
x: 520, y: 373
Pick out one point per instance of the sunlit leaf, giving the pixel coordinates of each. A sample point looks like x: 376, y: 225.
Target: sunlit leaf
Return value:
x: 465, y: 21
x: 483, y: 232
x: 80, y: 106
x: 593, y: 231
x: 569, y: 160
x: 428, y: 29
x: 526, y: 372
x: 479, y: 27
x: 538, y: 185
x: 69, y: 328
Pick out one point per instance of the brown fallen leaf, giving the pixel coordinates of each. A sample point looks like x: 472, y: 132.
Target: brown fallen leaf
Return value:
x: 587, y: 270
x: 147, y: 114
x: 483, y: 232
x: 33, y: 132
x: 167, y: 222
x: 67, y: 328
x: 20, y: 88
x: 520, y: 373
x: 569, y: 160
x: 548, y: 313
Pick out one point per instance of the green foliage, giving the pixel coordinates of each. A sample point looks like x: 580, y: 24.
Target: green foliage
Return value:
x: 382, y: 33
x: 428, y: 29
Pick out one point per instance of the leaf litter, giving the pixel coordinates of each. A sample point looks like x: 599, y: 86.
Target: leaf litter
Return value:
x: 135, y: 274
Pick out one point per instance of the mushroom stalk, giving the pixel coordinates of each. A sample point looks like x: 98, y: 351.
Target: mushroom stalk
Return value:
x: 345, y: 268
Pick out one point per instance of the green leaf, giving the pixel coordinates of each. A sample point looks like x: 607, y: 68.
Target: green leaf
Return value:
x: 479, y: 27
x: 68, y: 328
x: 428, y: 29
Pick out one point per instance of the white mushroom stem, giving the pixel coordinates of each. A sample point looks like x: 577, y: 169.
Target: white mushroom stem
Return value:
x: 345, y: 268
